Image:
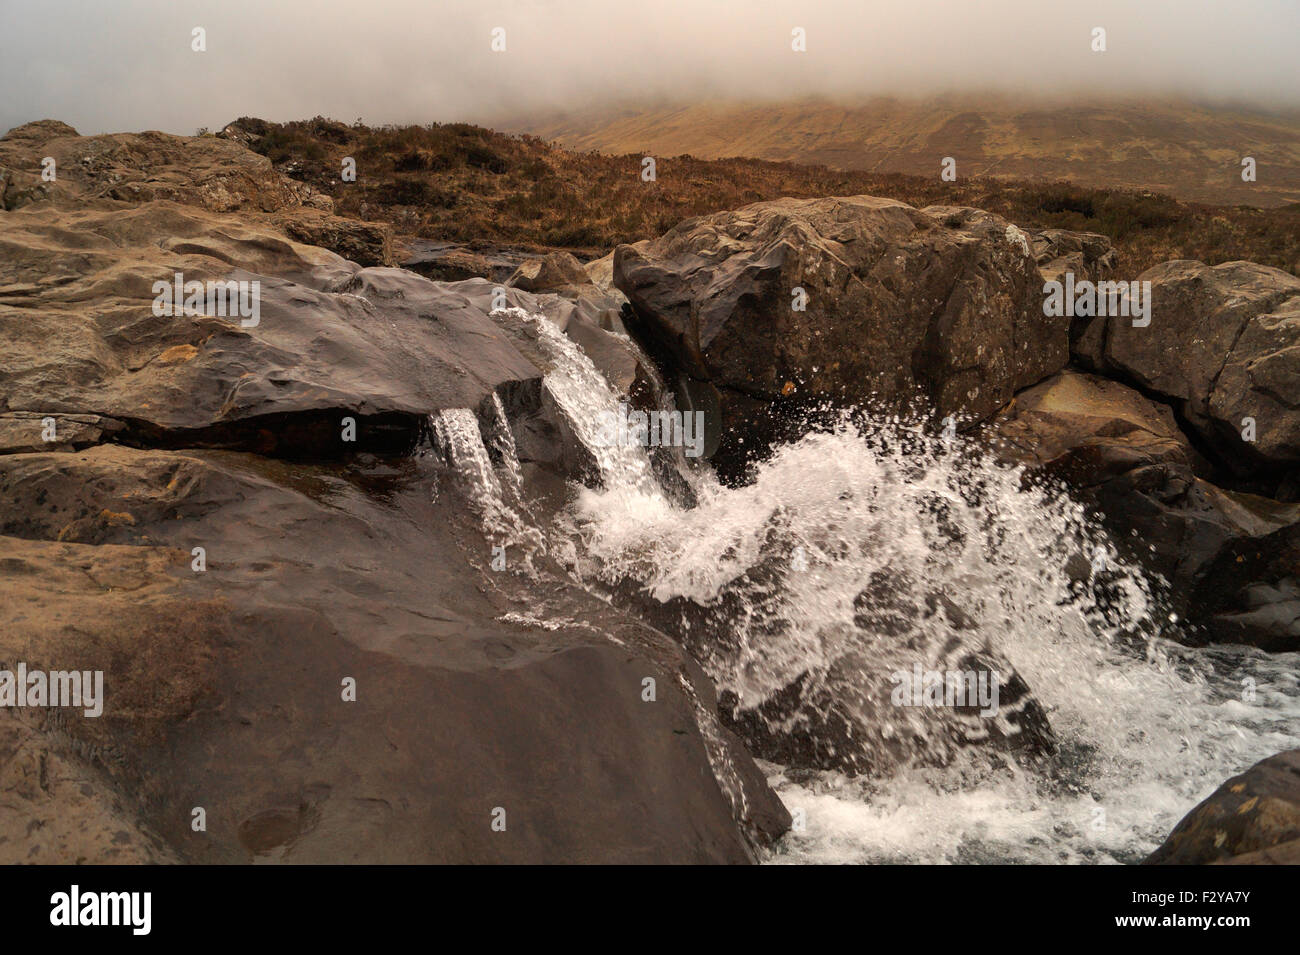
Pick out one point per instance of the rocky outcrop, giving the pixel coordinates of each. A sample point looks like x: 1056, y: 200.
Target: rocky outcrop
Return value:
x: 264, y: 528
x: 1250, y: 593
x: 304, y: 641
x: 766, y: 309
x: 1086, y: 255
x: 1223, y: 347
x: 1252, y: 818
x: 211, y: 173
x: 837, y: 708
x: 840, y: 721
x: 950, y: 301
x: 1223, y: 353
x: 203, y: 171
x: 82, y: 335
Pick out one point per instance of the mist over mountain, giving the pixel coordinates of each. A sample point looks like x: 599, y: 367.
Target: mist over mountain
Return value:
x: 130, y: 64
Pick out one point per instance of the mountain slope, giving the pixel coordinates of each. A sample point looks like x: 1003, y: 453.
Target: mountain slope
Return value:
x: 1187, y: 150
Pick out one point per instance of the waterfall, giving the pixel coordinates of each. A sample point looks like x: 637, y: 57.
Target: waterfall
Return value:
x: 866, y: 549
x: 458, y: 439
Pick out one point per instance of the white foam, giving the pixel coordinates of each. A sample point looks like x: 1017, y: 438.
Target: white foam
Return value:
x: 1147, y: 728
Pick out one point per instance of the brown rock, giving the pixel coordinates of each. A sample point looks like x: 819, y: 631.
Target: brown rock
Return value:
x: 553, y: 272
x: 215, y: 174
x: 366, y: 243
x: 25, y: 431
x: 949, y: 299
x: 1229, y: 556
x: 1223, y: 345
x: 79, y: 334
x: 1288, y: 853
x: 1253, y: 813
x: 1091, y: 428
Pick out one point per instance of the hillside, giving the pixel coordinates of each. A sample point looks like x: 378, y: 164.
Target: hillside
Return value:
x: 466, y: 184
x: 1187, y: 150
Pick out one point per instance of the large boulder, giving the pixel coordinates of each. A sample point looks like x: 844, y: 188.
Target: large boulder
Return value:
x: 1223, y: 346
x: 943, y: 305
x: 1247, y: 819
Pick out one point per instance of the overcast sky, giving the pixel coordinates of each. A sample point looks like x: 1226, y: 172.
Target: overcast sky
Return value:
x: 112, y: 65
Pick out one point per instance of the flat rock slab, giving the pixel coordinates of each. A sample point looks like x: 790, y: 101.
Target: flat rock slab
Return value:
x: 79, y: 335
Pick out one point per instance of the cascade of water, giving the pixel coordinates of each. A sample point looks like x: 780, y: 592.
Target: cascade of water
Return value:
x: 459, y: 440
x: 587, y: 401
x: 831, y: 563
x: 502, y: 441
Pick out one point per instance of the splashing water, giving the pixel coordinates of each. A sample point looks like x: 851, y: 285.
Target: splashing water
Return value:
x: 1145, y: 727
x: 831, y: 563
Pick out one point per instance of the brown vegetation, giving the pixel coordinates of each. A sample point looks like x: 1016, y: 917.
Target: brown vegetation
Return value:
x: 467, y: 184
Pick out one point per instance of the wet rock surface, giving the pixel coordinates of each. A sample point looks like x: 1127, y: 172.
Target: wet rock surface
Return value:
x: 951, y: 300
x: 224, y: 687
x: 1124, y: 455
x: 1228, y: 556
x: 81, y: 335
x: 250, y: 654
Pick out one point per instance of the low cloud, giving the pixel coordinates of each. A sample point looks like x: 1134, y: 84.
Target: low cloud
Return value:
x: 128, y: 65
